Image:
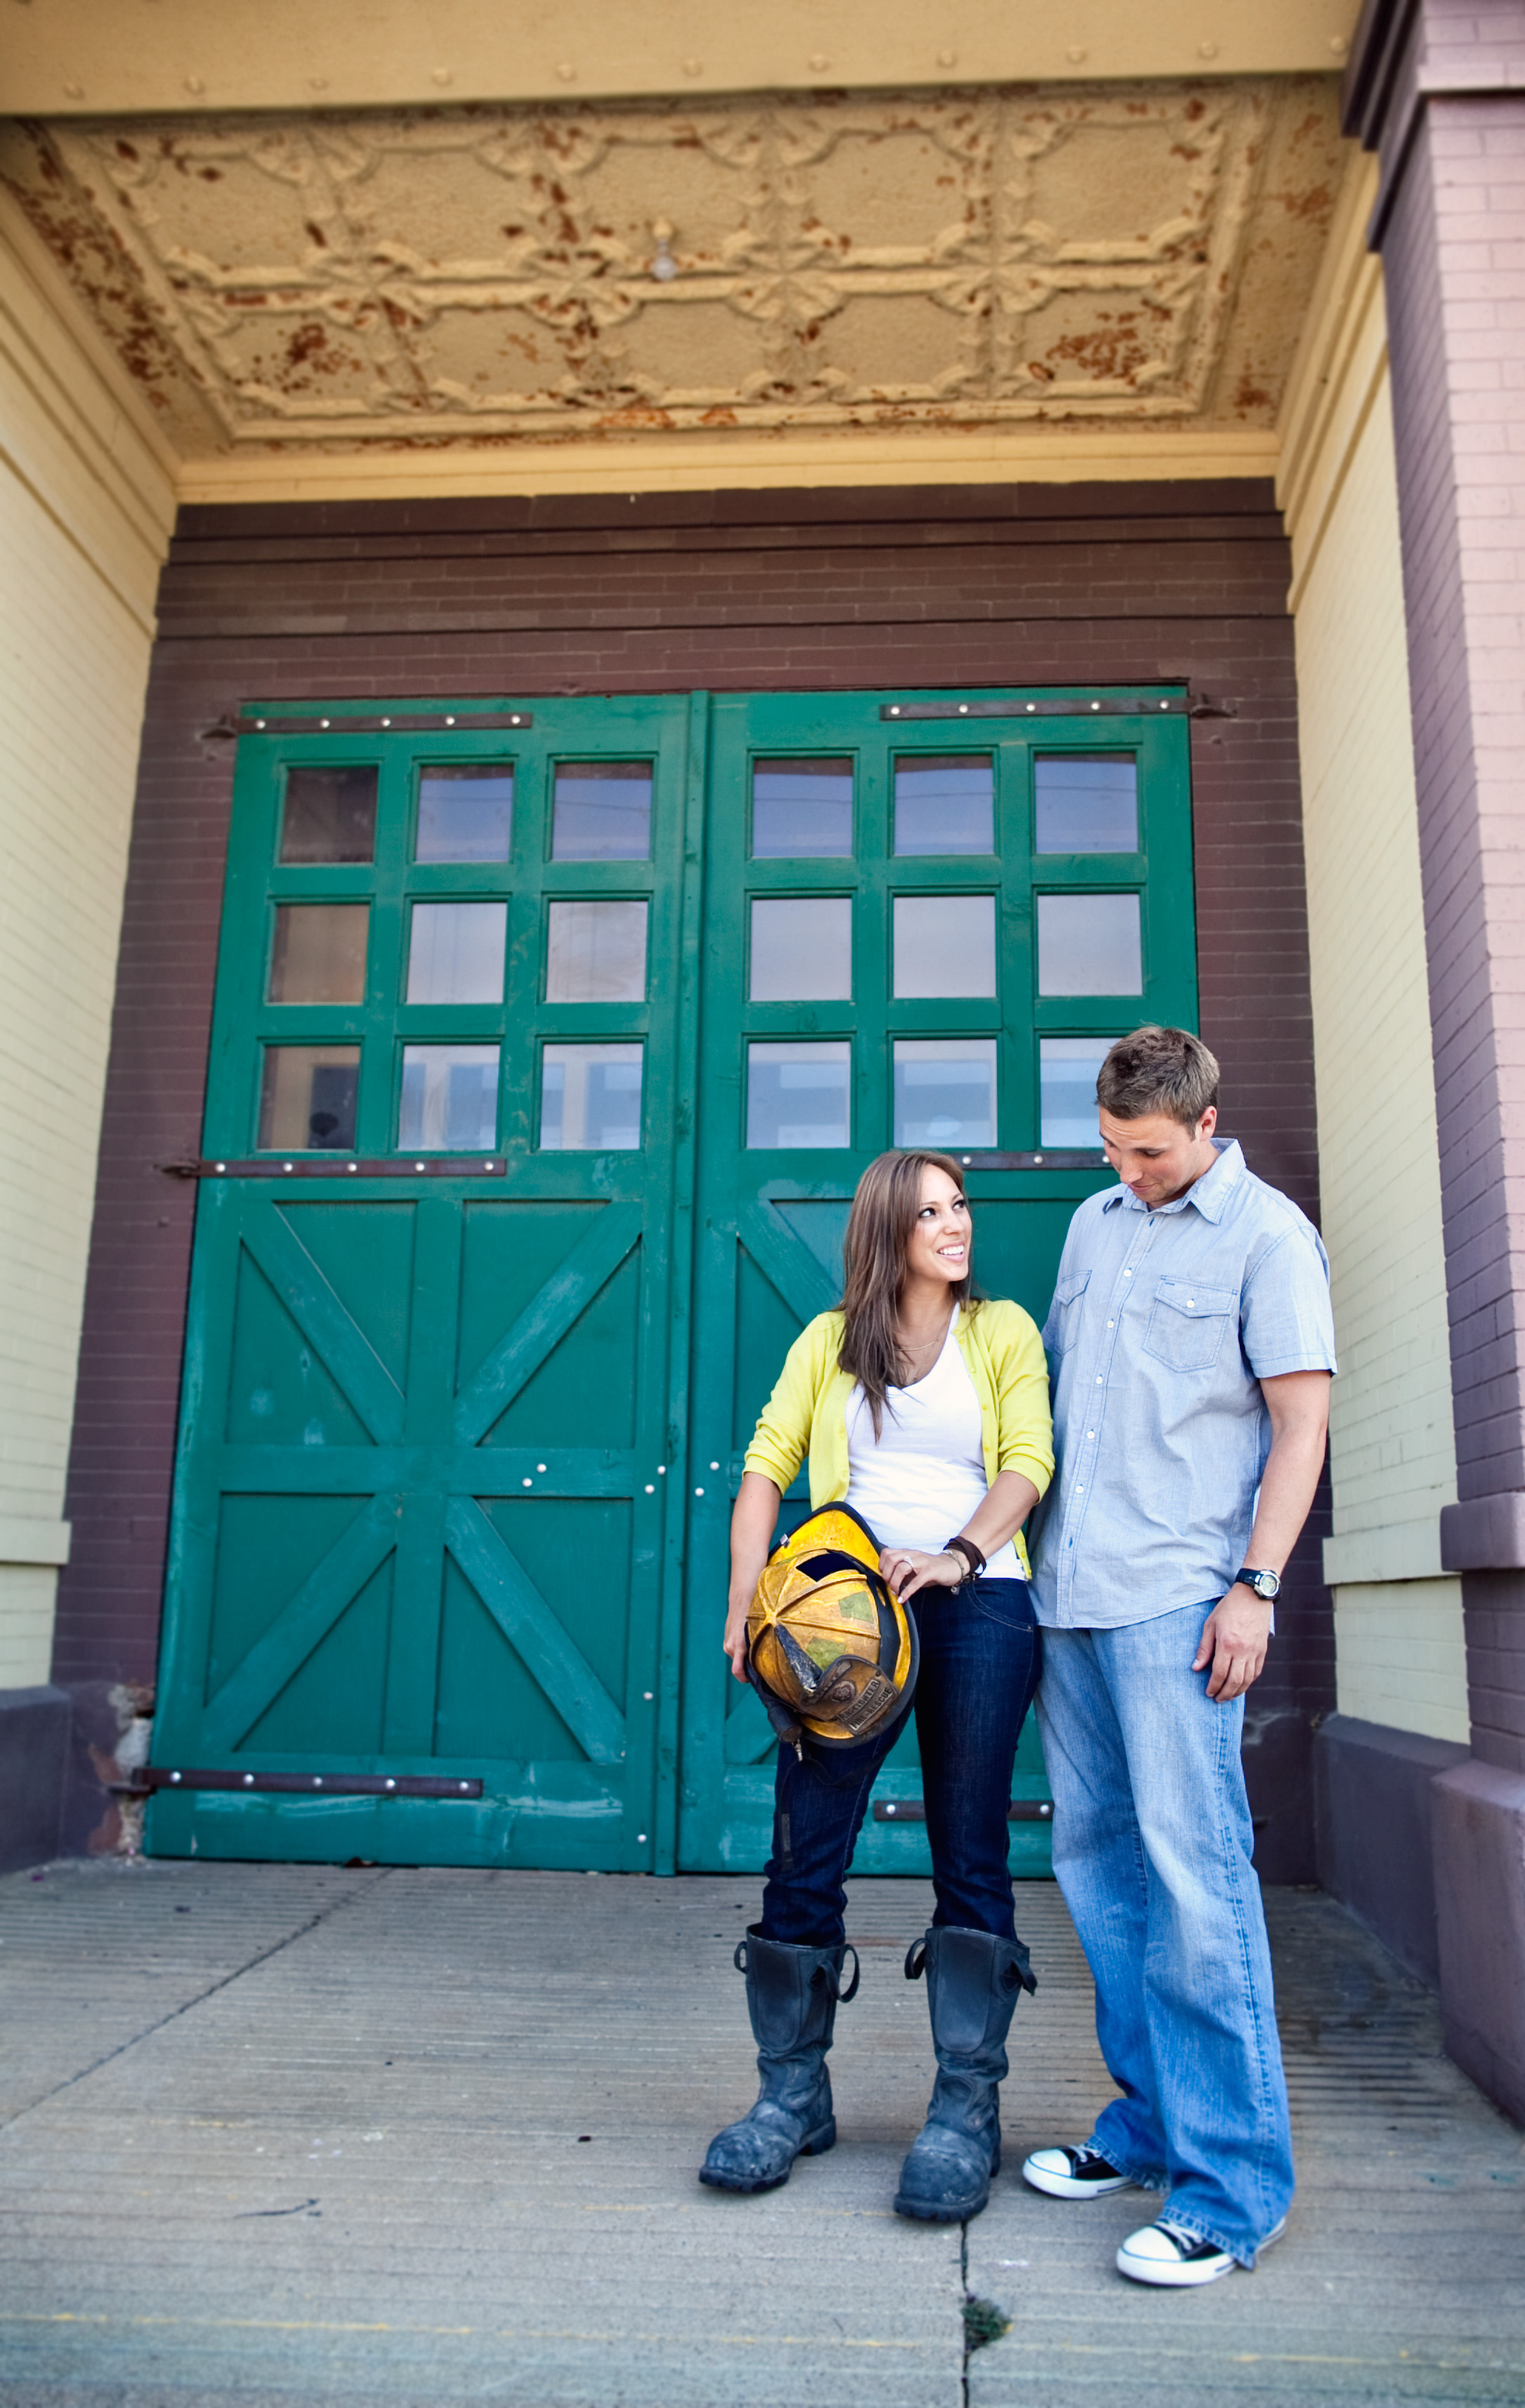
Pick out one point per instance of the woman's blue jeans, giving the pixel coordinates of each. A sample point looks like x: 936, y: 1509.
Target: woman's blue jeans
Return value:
x: 980, y: 1656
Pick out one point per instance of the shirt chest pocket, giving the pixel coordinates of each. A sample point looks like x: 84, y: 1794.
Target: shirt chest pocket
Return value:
x: 1188, y: 1325
x: 1067, y: 1304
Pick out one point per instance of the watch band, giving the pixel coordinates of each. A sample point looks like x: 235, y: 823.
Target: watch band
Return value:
x: 971, y: 1555
x: 1251, y: 1577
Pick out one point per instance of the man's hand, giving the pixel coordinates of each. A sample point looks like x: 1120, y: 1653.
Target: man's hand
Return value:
x: 1234, y: 1639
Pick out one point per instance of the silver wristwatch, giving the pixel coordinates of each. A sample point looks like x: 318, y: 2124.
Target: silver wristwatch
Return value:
x: 1267, y: 1585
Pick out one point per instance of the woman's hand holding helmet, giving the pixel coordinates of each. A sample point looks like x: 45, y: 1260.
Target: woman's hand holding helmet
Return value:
x: 907, y: 1570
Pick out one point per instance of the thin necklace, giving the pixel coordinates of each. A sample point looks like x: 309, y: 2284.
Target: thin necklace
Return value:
x: 917, y: 1367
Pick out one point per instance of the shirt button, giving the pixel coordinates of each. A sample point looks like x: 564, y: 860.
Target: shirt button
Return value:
x: 1109, y: 1325
x: 1099, y: 1378
x: 1128, y: 1274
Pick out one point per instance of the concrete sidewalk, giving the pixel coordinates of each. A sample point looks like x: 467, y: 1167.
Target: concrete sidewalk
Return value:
x: 290, y: 2135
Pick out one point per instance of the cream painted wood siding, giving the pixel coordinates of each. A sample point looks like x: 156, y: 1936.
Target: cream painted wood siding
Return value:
x: 1398, y: 1620
x: 85, y: 511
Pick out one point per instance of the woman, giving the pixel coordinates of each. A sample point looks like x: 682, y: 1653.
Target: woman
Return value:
x: 927, y: 1410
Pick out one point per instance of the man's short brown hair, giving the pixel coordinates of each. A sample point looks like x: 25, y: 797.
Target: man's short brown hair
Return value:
x: 1158, y: 1071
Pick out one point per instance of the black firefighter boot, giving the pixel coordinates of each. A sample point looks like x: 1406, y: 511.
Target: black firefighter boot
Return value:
x: 973, y: 1980
x: 792, y: 1996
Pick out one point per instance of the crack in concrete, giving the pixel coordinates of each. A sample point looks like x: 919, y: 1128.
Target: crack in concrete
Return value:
x: 223, y: 1982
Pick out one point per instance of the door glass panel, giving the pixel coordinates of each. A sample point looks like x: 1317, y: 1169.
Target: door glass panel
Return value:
x: 802, y: 810
x: 307, y: 1097
x: 590, y: 1098
x: 329, y: 815
x: 319, y: 953
x: 1089, y: 944
x: 945, y: 803
x: 945, y: 1091
x: 945, y: 944
x: 449, y: 1097
x: 799, y: 1095
x: 1086, y: 802
x: 596, y: 953
x: 603, y: 811
x: 464, y: 812
x: 1067, y: 1068
x: 802, y: 949
x: 455, y: 952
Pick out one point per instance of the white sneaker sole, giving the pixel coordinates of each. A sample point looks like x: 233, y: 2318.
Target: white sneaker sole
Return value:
x: 1178, y: 2276
x: 1066, y: 2187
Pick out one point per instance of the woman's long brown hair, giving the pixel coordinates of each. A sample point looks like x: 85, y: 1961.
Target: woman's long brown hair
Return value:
x: 879, y: 1226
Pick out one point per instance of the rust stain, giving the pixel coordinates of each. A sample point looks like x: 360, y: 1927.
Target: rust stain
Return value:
x: 1308, y: 208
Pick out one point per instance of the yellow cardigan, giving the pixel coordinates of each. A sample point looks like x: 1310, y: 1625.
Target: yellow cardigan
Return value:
x: 807, y: 1412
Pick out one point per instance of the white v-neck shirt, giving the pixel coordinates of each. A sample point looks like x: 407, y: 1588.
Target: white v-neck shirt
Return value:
x: 923, y: 1478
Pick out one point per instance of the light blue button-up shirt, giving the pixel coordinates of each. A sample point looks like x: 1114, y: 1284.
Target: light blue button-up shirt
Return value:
x: 1162, y: 1327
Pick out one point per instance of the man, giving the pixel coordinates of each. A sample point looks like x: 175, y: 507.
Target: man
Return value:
x: 1190, y: 1344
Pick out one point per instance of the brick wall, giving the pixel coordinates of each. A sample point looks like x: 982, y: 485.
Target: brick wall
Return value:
x: 1451, y: 226
x: 956, y: 586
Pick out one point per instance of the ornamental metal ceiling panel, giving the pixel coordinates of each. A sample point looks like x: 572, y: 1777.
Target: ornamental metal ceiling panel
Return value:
x: 993, y: 256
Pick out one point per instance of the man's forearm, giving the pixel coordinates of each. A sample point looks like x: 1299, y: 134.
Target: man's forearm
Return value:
x: 1287, y: 1488
x: 1235, y: 1636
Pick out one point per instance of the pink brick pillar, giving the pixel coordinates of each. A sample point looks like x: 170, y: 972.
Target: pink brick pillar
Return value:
x: 1437, y: 87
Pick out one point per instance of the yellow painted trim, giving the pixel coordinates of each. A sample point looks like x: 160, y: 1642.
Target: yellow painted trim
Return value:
x: 1336, y: 375
x: 672, y: 464
x: 1397, y: 1550
x: 80, y: 392
x: 26, y: 1538
x: 72, y: 57
x: 1402, y: 1657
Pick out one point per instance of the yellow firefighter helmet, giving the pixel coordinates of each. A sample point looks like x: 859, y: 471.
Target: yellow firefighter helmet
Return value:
x: 830, y: 1648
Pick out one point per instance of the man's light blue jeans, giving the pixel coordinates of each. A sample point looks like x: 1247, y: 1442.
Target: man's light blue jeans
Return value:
x: 1151, y: 1842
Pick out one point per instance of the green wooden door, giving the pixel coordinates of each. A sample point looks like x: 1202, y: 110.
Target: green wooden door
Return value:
x: 926, y: 917
x: 422, y: 1530
x: 550, y: 1039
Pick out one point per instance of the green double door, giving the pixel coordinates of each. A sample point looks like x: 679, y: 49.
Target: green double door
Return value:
x: 550, y: 1039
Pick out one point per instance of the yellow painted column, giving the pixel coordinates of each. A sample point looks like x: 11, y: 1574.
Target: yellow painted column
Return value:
x: 86, y: 506
x: 1402, y: 1657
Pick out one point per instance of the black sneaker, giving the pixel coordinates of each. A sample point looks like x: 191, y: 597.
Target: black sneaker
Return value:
x: 1074, y: 2173
x: 1168, y: 2255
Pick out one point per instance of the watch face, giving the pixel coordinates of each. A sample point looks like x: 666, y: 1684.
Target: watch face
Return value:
x: 1265, y: 1584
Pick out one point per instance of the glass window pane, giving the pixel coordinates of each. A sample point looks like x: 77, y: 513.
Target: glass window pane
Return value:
x: 465, y: 811
x: 802, y: 949
x: 329, y: 815
x: 799, y: 1095
x: 1067, y: 1068
x: 319, y: 954
x: 802, y: 810
x: 603, y: 811
x: 945, y: 944
x: 449, y: 1098
x: 1086, y: 802
x: 1089, y: 944
x: 596, y: 953
x: 455, y: 952
x: 590, y: 1098
x: 945, y: 803
x: 945, y: 1091
x: 307, y: 1097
